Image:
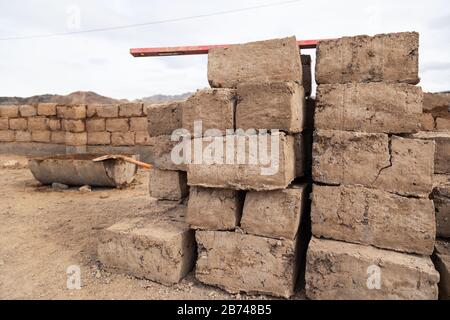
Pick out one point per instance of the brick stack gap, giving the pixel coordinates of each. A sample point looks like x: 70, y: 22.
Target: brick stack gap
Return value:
x: 248, y: 223
x: 372, y: 220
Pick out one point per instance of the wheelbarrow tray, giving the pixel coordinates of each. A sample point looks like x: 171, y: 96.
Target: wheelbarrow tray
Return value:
x: 79, y: 170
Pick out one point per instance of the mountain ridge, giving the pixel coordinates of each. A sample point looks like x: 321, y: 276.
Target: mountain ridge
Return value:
x: 88, y: 97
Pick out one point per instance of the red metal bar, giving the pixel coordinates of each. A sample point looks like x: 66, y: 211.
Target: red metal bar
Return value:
x: 187, y: 50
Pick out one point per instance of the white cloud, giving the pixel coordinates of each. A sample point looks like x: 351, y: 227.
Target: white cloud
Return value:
x: 101, y: 61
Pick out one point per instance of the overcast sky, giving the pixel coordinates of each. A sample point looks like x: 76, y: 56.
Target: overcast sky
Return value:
x: 100, y: 61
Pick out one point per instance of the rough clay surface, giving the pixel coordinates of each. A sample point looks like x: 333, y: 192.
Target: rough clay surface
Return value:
x: 442, y: 125
x: 164, y: 118
x: 274, y: 214
x: 442, y: 246
x: 411, y: 170
x: 341, y: 157
x: 427, y: 122
x: 168, y: 185
x: 246, y: 176
x: 273, y: 105
x: 442, y: 153
x: 214, y: 209
x: 441, y: 198
x: 239, y: 262
x: 160, y: 149
x: 161, y: 250
x: 384, y: 57
x: 370, y: 107
x: 441, y: 179
x: 261, y: 61
x: 437, y: 104
x: 339, y: 271
x: 373, y: 217
x: 395, y: 164
x: 213, y: 107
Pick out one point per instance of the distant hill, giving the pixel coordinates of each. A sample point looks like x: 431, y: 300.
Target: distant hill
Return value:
x: 78, y: 97
x: 88, y: 97
x: 159, y: 98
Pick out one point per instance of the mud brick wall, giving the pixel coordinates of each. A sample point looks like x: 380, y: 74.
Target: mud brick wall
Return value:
x: 79, y: 128
x: 372, y: 176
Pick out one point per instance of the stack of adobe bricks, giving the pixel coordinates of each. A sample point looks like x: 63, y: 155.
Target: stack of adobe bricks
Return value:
x: 157, y: 245
x: 372, y: 221
x: 168, y: 177
x: 436, y: 127
x: 248, y: 220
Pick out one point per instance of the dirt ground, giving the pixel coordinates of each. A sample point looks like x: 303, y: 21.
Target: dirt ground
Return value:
x: 43, y: 232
